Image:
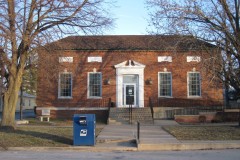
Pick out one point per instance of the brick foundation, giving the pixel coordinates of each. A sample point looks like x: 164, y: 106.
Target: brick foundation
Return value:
x: 208, y: 117
x: 187, y: 118
x: 101, y: 115
x: 228, y: 116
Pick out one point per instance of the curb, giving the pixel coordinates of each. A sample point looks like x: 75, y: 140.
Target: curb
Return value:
x: 188, y: 145
x: 77, y: 148
x: 182, y: 146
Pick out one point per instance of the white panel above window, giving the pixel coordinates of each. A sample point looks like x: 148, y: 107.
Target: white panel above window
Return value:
x: 95, y: 59
x: 193, y: 59
x: 65, y: 59
x: 164, y: 58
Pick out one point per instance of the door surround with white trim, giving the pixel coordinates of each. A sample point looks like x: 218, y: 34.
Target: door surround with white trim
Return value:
x: 129, y: 67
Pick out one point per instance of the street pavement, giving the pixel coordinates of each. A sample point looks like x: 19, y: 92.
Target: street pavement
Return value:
x: 233, y: 154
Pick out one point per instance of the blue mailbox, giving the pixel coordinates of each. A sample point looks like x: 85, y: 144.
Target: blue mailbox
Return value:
x: 84, y: 129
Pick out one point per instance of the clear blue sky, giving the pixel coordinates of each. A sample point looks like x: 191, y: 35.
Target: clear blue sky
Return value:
x: 131, y: 18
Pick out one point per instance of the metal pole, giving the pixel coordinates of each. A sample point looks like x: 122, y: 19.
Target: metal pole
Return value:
x: 238, y: 115
x: 138, y: 132
x: 238, y: 106
x: 131, y: 113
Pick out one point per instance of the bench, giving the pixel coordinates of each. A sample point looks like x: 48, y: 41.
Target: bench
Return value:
x: 45, y: 114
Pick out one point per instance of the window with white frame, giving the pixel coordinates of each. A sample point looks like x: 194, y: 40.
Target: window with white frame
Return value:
x: 165, y: 84
x: 94, y: 85
x: 194, y: 84
x: 65, y: 85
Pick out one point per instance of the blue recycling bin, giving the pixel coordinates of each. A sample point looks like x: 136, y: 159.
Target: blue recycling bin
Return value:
x: 84, y: 129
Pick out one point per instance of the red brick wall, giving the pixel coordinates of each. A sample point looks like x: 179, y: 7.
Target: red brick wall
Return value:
x: 49, y: 68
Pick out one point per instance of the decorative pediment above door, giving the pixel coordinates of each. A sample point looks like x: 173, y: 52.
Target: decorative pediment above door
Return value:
x: 130, y: 64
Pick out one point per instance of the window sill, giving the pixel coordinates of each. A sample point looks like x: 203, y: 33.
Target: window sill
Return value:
x: 94, y: 98
x: 194, y: 97
x: 165, y: 96
x: 65, y: 97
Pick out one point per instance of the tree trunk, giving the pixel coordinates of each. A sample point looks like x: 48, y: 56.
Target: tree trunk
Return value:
x: 10, y: 103
x: 8, y: 115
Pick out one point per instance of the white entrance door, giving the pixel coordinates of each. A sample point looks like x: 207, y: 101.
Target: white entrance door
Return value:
x: 129, y: 94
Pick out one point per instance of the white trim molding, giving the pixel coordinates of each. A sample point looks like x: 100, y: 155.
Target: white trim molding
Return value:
x: 66, y: 59
x: 95, y: 59
x: 129, y: 67
x: 193, y: 58
x: 164, y: 58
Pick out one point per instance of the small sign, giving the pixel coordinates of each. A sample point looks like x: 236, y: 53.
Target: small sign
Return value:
x: 83, y: 132
x: 193, y: 59
x: 164, y: 58
x: 95, y: 59
x: 130, y: 91
x: 45, y: 112
x: 66, y: 59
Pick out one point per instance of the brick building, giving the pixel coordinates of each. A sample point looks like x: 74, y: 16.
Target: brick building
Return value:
x: 85, y: 74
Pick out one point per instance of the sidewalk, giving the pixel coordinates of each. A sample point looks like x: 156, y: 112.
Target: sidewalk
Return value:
x: 117, y: 137
x: 153, y: 137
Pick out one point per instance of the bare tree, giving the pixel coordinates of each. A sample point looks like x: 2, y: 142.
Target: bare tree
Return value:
x: 214, y: 21
x: 26, y: 24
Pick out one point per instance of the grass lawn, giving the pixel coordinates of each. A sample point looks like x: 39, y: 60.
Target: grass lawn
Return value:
x: 204, y: 132
x: 38, y: 136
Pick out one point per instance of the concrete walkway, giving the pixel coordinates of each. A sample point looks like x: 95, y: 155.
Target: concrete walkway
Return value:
x: 153, y: 137
x: 117, y: 137
x: 148, y: 133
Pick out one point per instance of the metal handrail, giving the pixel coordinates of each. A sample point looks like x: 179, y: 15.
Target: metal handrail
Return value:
x: 151, y: 107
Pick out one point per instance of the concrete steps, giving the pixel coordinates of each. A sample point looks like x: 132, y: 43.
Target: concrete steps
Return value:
x: 120, y: 116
